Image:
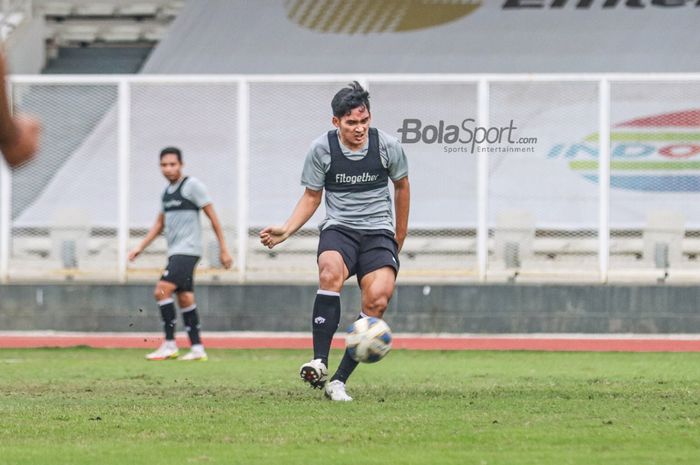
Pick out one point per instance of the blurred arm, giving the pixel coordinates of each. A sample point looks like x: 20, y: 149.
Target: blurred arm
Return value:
x: 19, y: 136
x: 224, y: 256
x: 154, y: 232
x: 402, y: 202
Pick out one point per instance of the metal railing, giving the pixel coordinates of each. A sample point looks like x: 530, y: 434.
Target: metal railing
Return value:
x: 250, y: 91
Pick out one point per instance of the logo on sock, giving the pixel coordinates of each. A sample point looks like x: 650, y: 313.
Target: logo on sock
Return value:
x: 319, y: 320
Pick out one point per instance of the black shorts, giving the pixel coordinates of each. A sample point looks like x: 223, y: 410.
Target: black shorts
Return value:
x: 180, y: 271
x: 363, y: 250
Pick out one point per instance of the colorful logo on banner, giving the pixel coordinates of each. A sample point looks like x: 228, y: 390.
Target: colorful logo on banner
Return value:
x: 367, y: 16
x: 658, y: 153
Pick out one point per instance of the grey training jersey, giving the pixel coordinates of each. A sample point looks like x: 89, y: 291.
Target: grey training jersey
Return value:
x: 359, y: 210
x: 183, y: 230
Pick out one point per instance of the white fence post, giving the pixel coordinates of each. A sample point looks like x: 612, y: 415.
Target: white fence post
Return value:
x: 604, y: 178
x: 243, y: 176
x: 482, y: 183
x: 5, y: 220
x: 123, y: 147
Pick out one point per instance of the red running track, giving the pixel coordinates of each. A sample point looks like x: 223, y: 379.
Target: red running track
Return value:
x: 592, y: 343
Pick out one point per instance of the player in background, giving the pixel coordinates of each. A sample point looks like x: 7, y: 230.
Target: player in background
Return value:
x: 182, y: 200
x: 354, y: 164
x: 19, y: 135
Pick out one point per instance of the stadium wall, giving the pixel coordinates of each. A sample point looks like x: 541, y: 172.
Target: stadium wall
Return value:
x: 493, y: 308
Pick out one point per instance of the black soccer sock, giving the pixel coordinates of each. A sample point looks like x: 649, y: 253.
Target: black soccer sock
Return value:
x: 167, y: 312
x: 347, y: 364
x: 345, y: 369
x: 191, y: 320
x: 324, y: 323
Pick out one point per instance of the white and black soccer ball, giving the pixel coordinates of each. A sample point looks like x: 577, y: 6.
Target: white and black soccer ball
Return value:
x: 368, y: 340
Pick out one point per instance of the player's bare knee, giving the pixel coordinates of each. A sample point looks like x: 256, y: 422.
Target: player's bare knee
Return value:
x: 184, y: 300
x: 164, y: 290
x: 330, y: 279
x: 161, y: 293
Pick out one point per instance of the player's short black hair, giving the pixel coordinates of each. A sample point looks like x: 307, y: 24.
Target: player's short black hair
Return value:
x: 348, y: 98
x: 171, y: 151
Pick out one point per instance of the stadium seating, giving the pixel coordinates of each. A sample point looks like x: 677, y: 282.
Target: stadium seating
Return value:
x: 85, y: 23
x: 9, y: 22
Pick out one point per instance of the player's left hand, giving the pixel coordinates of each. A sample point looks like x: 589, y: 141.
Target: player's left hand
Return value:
x: 226, y: 259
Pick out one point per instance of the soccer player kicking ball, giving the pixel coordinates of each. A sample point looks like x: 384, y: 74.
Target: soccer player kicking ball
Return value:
x: 354, y: 164
x: 182, y: 200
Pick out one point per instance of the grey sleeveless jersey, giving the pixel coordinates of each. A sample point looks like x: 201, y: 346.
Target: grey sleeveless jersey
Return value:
x: 181, y: 204
x: 358, y: 210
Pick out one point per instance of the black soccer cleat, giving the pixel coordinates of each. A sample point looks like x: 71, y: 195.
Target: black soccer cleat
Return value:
x: 315, y: 373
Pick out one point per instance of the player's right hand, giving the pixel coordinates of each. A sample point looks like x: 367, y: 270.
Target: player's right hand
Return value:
x: 133, y: 254
x: 226, y: 259
x: 273, y: 235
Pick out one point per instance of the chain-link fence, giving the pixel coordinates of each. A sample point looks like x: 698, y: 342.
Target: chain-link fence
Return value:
x: 510, y: 176
x: 543, y: 218
x: 64, y: 203
x: 654, y: 177
x: 442, y: 235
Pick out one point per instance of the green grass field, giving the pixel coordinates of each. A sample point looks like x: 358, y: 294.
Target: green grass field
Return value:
x: 86, y: 406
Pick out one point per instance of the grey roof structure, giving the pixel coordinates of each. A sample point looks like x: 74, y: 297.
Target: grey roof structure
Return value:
x: 421, y: 36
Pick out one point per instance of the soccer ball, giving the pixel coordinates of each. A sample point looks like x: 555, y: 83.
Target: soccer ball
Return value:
x: 368, y: 340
